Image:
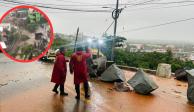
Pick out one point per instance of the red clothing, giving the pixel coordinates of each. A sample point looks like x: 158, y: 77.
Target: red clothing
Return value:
x: 59, y: 70
x: 79, y: 67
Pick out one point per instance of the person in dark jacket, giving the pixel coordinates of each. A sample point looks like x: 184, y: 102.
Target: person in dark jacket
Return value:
x: 59, y: 72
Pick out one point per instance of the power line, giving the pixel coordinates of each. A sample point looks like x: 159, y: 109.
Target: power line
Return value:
x: 58, y: 5
x: 148, y: 2
x: 58, y: 8
x: 160, y: 3
x: 55, y: 6
x: 68, y: 1
x: 158, y: 25
x: 5, y: 5
x: 129, y: 5
x: 155, y: 8
x: 109, y: 27
x: 55, y: 12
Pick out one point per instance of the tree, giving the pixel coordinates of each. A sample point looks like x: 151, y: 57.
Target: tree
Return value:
x: 107, y: 47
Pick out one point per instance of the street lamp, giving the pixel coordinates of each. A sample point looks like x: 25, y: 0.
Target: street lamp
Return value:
x: 100, y: 41
x: 89, y: 40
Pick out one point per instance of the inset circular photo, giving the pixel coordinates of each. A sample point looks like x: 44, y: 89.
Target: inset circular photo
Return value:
x: 26, y: 33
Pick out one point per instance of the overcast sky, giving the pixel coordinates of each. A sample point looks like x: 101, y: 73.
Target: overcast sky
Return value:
x: 132, y: 17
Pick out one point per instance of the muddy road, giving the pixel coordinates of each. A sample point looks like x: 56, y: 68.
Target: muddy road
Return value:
x: 26, y: 87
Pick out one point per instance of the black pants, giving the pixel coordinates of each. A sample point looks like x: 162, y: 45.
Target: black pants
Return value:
x: 61, y: 87
x: 86, y: 89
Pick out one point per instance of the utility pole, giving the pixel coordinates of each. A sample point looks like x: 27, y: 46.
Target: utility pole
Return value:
x: 98, y: 53
x: 76, y: 39
x: 115, y: 15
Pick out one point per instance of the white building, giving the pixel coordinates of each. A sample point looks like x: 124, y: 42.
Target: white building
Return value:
x: 1, y: 29
x: 5, y: 26
x: 192, y: 57
x: 3, y: 45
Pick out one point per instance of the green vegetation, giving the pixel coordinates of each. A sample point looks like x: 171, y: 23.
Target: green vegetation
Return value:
x: 59, y: 41
x: 107, y: 47
x: 14, y: 53
x: 12, y: 35
x: 69, y: 52
x: 26, y: 50
x: 32, y: 27
x: 24, y: 37
x: 34, y: 21
x: 149, y: 60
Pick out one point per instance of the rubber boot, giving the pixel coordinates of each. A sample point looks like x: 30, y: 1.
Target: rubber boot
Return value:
x: 77, y: 89
x: 55, y: 88
x: 62, y: 93
x: 86, y: 89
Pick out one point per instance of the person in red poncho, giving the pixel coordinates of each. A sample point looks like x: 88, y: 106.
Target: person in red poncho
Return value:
x: 59, y: 72
x: 78, y: 66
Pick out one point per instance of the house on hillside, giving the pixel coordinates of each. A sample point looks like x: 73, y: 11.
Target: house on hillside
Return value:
x: 192, y: 57
x: 4, y: 26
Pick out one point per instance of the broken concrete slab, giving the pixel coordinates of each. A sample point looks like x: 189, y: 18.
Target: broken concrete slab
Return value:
x: 113, y: 74
x: 190, y: 89
x: 101, y: 64
x: 164, y: 70
x: 142, y: 83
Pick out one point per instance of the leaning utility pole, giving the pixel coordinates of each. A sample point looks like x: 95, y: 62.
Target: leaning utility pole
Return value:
x: 115, y: 15
x: 76, y: 39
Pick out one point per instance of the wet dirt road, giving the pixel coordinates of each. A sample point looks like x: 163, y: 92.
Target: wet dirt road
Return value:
x: 27, y: 88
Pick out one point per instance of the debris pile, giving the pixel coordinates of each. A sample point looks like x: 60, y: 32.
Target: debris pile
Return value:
x: 142, y: 83
x: 190, y: 90
x: 113, y: 74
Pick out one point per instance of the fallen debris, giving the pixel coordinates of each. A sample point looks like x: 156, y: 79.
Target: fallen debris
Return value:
x: 121, y: 87
x: 190, y: 90
x: 181, y: 74
x: 142, y: 83
x: 113, y: 74
x: 110, y: 90
x: 3, y: 84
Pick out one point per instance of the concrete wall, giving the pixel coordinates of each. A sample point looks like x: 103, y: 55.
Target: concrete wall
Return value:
x: 153, y: 72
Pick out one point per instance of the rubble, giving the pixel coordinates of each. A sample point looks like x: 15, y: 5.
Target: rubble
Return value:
x: 112, y: 74
x: 181, y: 74
x: 121, y: 87
x: 190, y: 90
x: 142, y: 83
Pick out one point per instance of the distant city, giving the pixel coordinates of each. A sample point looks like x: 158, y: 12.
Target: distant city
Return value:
x: 182, y: 50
